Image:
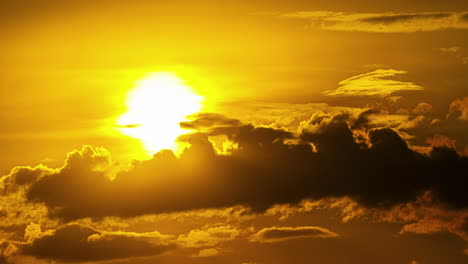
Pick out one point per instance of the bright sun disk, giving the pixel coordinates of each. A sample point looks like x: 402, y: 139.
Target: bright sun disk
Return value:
x: 155, y: 107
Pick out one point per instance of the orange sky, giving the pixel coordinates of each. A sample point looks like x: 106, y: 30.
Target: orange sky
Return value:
x: 328, y: 131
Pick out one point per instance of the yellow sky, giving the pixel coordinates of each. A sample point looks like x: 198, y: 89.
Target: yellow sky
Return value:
x: 296, y: 107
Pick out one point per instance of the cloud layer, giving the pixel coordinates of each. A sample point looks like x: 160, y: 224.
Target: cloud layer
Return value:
x: 383, y: 22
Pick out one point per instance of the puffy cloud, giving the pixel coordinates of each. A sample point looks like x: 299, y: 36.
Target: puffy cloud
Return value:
x: 422, y: 108
x: 208, y: 236
x: 426, y: 215
x: 278, y: 234
x: 272, y: 171
x: 375, y: 83
x: 208, y: 252
x: 459, y: 109
x: 383, y: 22
x: 441, y: 141
x: 74, y: 243
x: 21, y: 176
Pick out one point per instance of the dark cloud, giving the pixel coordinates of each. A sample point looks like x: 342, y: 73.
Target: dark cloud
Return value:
x: 265, y: 169
x: 74, y: 243
x: 209, y: 120
x: 364, y: 118
x: 278, y: 234
x: 22, y: 175
x: 464, y: 17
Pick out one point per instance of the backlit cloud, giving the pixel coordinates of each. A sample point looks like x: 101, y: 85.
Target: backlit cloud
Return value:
x: 459, y: 109
x: 278, y: 234
x: 375, y: 83
x: 74, y: 243
x: 255, y: 173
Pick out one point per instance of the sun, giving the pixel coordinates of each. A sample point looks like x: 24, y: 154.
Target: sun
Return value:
x: 155, y: 107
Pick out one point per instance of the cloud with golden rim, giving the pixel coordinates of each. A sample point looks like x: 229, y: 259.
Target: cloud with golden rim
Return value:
x: 75, y: 243
x: 374, y: 83
x: 279, y: 234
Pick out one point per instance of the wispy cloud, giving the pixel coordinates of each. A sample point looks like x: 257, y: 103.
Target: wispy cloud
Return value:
x: 450, y: 50
x: 375, y: 83
x: 383, y: 22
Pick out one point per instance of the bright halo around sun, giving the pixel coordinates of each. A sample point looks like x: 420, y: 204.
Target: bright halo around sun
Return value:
x: 155, y: 107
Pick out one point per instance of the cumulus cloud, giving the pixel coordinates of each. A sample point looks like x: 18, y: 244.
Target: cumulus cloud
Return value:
x: 255, y: 174
x: 383, y: 22
x: 459, y: 109
x: 425, y: 215
x: 208, y: 236
x: 278, y: 234
x: 375, y: 83
x: 208, y: 252
x: 422, y: 108
x: 271, y: 170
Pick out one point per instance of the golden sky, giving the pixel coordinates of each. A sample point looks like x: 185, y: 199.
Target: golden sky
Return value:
x: 234, y: 132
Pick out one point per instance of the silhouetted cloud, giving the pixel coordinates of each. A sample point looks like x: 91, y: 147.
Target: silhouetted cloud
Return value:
x: 255, y: 173
x: 278, y: 234
x: 383, y: 22
x: 74, y: 243
x: 375, y: 83
x: 208, y: 120
x: 464, y: 17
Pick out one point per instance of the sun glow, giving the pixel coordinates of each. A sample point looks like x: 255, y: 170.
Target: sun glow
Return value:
x: 155, y: 108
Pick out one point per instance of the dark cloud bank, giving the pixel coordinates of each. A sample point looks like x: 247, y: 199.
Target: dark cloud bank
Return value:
x: 75, y: 243
x: 375, y: 167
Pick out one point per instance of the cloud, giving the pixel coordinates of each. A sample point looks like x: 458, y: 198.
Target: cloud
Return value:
x: 208, y: 120
x: 254, y: 175
x: 208, y: 236
x: 74, y: 243
x: 208, y: 252
x: 459, y: 109
x: 377, y: 172
x: 279, y: 234
x: 375, y: 83
x: 450, y: 50
x: 422, y: 108
x: 441, y: 141
x: 425, y: 215
x: 464, y: 17
x: 383, y: 22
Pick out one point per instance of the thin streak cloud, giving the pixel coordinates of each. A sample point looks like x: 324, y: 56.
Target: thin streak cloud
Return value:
x: 382, y: 22
x: 375, y: 83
